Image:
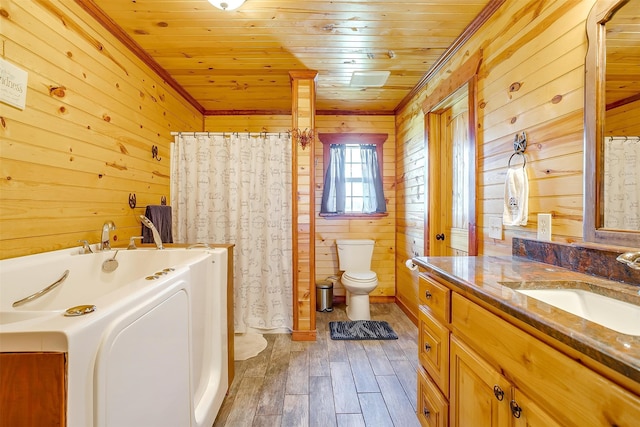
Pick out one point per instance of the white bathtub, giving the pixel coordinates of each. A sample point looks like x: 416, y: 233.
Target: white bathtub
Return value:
x: 153, y: 353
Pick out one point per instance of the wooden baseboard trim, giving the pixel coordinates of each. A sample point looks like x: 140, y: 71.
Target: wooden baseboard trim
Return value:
x: 341, y: 299
x: 381, y: 299
x: 411, y: 315
x: 303, y: 335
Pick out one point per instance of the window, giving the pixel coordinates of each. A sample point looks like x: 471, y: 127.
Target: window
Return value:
x: 353, y: 175
x: 353, y: 179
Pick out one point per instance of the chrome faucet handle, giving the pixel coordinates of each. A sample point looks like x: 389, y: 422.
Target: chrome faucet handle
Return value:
x: 154, y: 231
x: 105, y: 244
x: 632, y: 259
x: 132, y: 242
x: 86, y: 247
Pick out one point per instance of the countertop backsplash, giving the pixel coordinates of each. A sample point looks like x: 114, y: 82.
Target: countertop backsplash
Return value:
x: 582, y: 259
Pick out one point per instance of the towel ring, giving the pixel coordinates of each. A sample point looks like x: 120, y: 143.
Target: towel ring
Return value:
x: 524, y: 159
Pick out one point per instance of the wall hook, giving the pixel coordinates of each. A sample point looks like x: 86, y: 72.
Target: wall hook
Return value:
x: 520, y: 143
x: 132, y: 200
x: 154, y: 153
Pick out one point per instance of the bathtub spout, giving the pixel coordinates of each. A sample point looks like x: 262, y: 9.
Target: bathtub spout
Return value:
x: 156, y: 236
x: 106, y: 239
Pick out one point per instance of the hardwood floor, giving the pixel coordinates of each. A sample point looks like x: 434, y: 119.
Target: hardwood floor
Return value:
x: 328, y: 383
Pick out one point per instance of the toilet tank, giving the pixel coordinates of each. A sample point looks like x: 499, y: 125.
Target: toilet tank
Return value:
x: 355, y: 255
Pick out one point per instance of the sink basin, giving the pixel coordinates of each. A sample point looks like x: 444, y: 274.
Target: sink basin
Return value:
x: 611, y: 313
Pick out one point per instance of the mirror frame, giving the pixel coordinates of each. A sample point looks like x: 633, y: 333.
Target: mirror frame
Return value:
x: 594, y: 109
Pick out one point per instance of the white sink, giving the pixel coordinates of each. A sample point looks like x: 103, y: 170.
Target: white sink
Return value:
x: 611, y: 313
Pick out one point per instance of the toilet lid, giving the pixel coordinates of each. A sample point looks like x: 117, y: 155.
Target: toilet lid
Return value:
x: 360, y: 276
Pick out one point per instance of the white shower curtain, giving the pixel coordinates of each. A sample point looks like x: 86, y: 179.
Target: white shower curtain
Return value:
x: 237, y: 189
x: 622, y: 183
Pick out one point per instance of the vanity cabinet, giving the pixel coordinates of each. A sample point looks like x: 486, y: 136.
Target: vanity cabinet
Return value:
x: 32, y: 389
x: 481, y: 396
x: 433, y: 352
x: 480, y: 368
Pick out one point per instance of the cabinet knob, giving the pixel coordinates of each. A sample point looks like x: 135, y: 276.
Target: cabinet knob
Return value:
x: 427, y: 347
x: 498, y: 392
x: 516, y: 410
x: 425, y: 412
x: 427, y: 294
x: 440, y: 236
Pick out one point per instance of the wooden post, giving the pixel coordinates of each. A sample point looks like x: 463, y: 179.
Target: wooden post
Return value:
x: 303, y: 85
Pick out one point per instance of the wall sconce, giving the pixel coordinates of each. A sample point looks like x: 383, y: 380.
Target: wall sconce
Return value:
x: 303, y: 137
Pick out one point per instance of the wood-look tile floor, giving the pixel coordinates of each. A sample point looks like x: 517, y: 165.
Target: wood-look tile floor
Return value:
x: 328, y: 383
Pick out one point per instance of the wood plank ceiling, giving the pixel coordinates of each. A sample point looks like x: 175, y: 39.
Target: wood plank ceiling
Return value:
x: 238, y: 62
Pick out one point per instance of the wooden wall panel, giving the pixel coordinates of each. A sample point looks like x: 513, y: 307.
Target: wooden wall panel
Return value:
x: 71, y: 158
x: 382, y: 230
x: 303, y: 86
x: 541, y: 47
x: 241, y: 123
x: 623, y: 120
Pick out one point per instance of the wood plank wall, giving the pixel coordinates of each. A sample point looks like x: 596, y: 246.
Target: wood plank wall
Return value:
x: 71, y: 158
x: 623, y: 120
x: 382, y: 230
x: 83, y: 143
x: 531, y: 79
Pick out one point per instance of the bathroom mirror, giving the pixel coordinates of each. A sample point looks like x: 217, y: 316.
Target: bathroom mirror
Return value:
x: 612, y: 96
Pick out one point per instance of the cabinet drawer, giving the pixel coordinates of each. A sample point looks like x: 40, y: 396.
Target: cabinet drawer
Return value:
x: 436, y: 297
x: 569, y: 392
x: 433, y: 408
x: 433, y: 349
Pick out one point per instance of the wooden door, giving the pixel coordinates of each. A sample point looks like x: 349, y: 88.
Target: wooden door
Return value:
x: 450, y: 168
x: 479, y: 395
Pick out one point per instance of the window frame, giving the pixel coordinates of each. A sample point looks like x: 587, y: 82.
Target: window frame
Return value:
x: 377, y: 139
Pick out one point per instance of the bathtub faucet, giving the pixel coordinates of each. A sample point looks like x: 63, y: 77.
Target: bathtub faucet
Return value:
x: 106, y: 240
x: 156, y: 236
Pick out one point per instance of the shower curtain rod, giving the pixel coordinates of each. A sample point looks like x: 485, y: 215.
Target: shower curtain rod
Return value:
x: 624, y: 138
x: 225, y: 134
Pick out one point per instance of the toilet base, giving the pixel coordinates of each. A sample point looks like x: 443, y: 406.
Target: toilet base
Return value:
x: 358, y: 307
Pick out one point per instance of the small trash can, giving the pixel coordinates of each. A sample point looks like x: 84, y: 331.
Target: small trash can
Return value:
x: 324, y: 296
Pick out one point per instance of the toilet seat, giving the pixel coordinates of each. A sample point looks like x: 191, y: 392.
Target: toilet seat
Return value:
x: 360, y: 276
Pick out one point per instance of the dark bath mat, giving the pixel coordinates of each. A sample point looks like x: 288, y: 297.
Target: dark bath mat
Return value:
x: 362, y: 330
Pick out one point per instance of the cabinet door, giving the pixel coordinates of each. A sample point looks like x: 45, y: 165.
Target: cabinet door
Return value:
x: 32, y: 389
x: 529, y: 414
x: 479, y: 395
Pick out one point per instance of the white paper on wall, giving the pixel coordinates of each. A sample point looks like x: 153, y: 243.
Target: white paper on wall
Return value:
x: 13, y: 85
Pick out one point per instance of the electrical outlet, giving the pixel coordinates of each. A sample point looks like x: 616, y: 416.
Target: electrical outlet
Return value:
x: 495, y: 227
x: 544, y: 227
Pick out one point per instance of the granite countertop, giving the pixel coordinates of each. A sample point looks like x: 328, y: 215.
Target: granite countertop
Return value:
x: 484, y: 277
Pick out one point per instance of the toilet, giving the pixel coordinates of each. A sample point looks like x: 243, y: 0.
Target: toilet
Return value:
x: 354, y: 258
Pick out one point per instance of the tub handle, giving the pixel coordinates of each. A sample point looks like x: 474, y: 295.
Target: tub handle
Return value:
x: 43, y: 291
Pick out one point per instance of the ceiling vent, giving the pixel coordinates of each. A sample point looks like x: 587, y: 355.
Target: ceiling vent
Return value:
x: 369, y: 78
